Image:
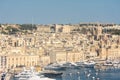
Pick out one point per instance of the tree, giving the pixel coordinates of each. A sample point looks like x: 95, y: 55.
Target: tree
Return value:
x: 11, y: 30
x: 8, y: 28
x: 27, y: 27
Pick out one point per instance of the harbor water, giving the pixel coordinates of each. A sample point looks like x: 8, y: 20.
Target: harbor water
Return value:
x: 88, y: 74
x: 91, y: 74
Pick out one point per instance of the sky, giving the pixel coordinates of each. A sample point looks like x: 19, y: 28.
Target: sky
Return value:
x: 59, y: 11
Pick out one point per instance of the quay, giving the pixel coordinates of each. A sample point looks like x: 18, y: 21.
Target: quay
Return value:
x: 8, y: 76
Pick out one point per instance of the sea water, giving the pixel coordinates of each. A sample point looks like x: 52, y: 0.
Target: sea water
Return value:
x: 89, y: 74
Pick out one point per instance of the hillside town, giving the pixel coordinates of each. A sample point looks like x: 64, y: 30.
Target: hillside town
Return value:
x: 53, y: 43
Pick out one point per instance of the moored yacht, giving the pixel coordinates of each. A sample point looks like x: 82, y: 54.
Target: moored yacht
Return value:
x: 69, y: 65
x: 80, y: 64
x: 89, y: 64
x: 54, y: 66
x: 34, y: 77
x: 26, y: 74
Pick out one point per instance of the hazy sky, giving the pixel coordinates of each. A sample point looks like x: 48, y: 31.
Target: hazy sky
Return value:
x: 59, y: 11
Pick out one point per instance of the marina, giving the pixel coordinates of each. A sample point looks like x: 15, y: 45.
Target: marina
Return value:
x: 104, y: 72
x: 84, y: 74
x: 86, y: 70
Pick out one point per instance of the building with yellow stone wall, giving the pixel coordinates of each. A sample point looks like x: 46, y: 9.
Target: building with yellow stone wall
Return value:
x: 43, y: 28
x: 113, y: 54
x: 13, y: 61
x: 63, y: 56
x: 110, y: 53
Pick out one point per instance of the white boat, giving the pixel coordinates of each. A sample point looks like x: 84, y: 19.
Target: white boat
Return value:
x: 89, y: 64
x: 69, y: 65
x: 80, y: 64
x: 31, y: 75
x: 34, y: 77
x: 108, y: 63
x: 54, y: 66
x: 39, y: 78
x: 26, y: 74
